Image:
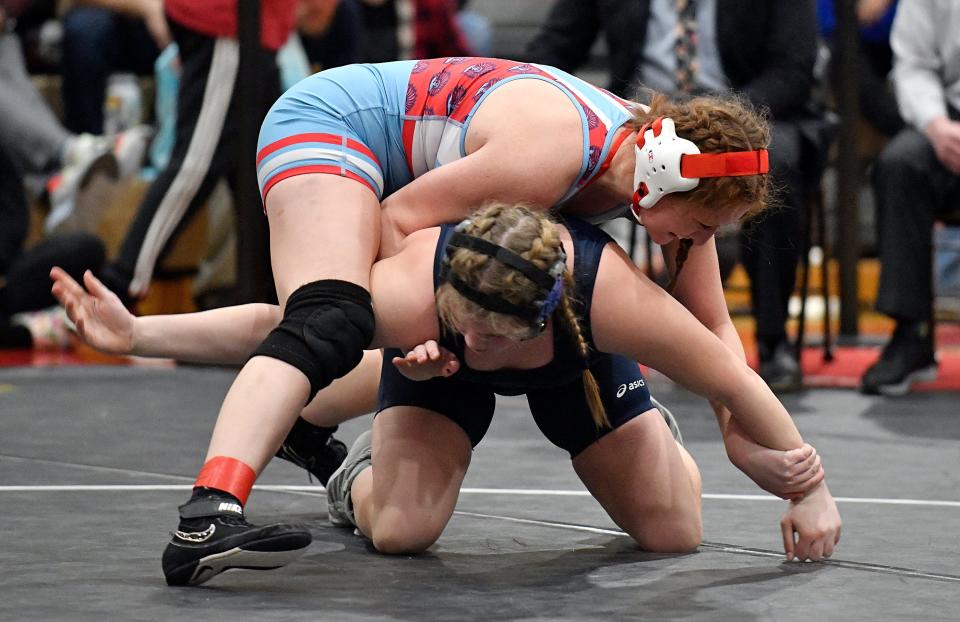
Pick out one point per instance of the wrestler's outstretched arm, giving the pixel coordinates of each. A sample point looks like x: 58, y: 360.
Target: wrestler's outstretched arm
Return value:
x: 224, y: 336
x: 632, y: 316
x: 785, y: 474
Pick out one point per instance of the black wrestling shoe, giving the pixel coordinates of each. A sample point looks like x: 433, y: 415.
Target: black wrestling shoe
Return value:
x: 313, y: 448
x: 213, y: 536
x: 907, y: 359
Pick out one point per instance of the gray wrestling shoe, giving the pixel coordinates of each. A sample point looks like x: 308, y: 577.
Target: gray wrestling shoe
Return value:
x: 670, y: 419
x: 339, y: 504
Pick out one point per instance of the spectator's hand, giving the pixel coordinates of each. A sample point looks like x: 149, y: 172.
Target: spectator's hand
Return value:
x: 787, y: 474
x: 869, y: 12
x: 944, y: 135
x: 811, y: 527
x: 426, y: 361
x: 101, y: 319
x: 156, y: 22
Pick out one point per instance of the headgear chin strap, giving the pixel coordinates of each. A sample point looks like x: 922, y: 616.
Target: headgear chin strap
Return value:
x: 667, y: 163
x: 549, y: 282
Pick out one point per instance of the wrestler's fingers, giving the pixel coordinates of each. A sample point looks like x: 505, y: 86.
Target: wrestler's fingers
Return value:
x: 811, y: 457
x: 828, y: 546
x: 96, y: 287
x: 58, y: 292
x: 815, y: 552
x: 801, y: 550
x: 786, y: 530
x: 800, y: 454
x: 813, y: 481
x: 420, y: 354
x: 815, y: 470
x: 81, y: 325
x: 66, y: 282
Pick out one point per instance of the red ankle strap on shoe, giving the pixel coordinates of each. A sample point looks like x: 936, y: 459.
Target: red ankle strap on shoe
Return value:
x: 229, y: 475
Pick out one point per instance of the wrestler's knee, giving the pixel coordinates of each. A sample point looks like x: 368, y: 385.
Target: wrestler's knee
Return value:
x: 667, y: 530
x: 405, y: 532
x: 325, y: 328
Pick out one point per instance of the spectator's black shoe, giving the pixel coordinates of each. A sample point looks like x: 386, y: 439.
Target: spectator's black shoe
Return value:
x: 14, y: 336
x: 906, y: 359
x: 779, y: 368
x: 213, y: 536
x: 314, y: 449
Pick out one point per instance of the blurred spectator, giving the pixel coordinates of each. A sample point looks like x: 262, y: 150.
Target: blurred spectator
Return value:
x: 476, y: 29
x: 35, y: 23
x: 404, y: 29
x: 101, y: 37
x: 208, y: 128
x: 877, y: 102
x: 24, y: 284
x: 332, y: 32
x: 916, y: 180
x: 39, y: 146
x: 765, y: 50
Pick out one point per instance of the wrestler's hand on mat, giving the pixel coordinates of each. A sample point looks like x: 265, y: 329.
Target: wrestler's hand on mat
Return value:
x: 787, y: 474
x: 101, y: 319
x: 811, y: 527
x: 427, y: 360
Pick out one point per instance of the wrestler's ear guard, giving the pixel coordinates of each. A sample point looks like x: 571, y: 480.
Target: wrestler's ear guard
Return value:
x: 667, y: 163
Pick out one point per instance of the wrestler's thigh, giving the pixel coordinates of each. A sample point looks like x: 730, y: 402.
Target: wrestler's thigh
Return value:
x: 322, y: 227
x: 420, y: 458
x: 640, y: 476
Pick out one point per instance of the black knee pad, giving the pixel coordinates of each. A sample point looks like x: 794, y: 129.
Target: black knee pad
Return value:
x: 326, y: 327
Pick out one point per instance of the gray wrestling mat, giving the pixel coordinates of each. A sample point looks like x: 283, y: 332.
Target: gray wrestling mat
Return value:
x: 94, y: 461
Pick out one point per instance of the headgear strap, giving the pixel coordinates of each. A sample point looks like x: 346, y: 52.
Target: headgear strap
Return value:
x: 548, y: 281
x: 503, y: 255
x: 667, y: 163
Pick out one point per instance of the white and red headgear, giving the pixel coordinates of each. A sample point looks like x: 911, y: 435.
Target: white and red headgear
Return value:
x: 667, y: 163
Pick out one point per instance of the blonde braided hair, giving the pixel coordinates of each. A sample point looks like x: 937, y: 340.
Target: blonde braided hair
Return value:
x: 536, y: 238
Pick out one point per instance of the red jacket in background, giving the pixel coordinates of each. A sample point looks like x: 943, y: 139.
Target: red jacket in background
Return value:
x: 436, y: 32
x: 218, y: 18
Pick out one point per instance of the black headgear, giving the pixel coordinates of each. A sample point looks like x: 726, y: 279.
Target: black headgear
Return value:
x: 550, y: 282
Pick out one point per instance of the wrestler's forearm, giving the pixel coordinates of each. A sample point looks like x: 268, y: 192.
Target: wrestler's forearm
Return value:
x: 728, y: 335
x: 759, y: 412
x: 224, y: 336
